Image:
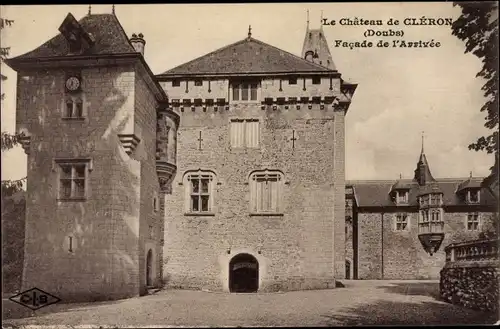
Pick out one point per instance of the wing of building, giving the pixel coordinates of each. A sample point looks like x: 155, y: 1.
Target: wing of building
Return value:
x: 385, y: 220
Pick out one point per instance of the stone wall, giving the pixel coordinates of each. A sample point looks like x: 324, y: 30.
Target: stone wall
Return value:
x: 384, y: 253
x: 295, y: 249
x: 103, y: 262
x: 145, y: 116
x: 472, y: 278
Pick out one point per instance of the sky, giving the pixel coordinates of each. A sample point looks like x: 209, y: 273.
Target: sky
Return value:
x: 401, y: 92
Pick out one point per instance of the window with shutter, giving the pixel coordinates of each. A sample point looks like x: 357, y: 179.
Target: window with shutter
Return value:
x: 266, y: 192
x: 244, y: 133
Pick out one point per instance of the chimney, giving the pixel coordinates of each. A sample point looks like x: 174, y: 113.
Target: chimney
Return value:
x: 138, y: 42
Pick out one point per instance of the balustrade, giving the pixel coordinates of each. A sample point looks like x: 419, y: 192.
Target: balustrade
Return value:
x: 472, y: 250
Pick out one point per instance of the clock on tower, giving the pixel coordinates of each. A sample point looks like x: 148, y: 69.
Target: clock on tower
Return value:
x: 73, y: 84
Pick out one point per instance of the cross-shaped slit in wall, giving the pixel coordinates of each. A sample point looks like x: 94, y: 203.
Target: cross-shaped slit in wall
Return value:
x: 200, y: 140
x: 293, y: 139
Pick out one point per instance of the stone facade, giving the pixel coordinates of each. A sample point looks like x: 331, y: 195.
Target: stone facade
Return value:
x: 385, y: 253
x: 294, y: 248
x: 383, y: 248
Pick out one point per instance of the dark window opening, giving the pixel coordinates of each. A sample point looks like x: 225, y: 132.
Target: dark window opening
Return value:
x: 316, y: 80
x: 176, y: 83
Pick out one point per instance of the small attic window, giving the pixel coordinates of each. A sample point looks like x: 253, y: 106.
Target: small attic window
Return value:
x: 316, y: 80
x: 176, y: 83
x: 473, y: 196
x: 401, y: 197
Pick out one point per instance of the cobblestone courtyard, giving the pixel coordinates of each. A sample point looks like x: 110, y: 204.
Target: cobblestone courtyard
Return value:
x: 358, y: 303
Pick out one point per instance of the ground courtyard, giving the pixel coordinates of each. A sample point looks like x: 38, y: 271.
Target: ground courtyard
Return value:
x: 357, y: 303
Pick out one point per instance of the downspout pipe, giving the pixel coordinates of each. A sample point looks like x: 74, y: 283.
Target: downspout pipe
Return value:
x: 382, y: 242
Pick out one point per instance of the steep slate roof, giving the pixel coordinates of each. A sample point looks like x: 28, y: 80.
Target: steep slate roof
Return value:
x: 315, y: 41
x: 376, y: 193
x: 110, y: 38
x: 245, y: 57
x: 469, y: 183
x: 423, y: 165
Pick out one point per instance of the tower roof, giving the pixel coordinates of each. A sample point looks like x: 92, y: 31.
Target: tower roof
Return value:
x: 247, y: 56
x: 315, y: 42
x: 423, y: 172
x: 105, y: 29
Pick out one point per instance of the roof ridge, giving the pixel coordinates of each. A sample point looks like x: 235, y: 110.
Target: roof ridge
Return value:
x: 388, y: 181
x: 325, y: 69
x: 203, y: 56
x: 298, y: 57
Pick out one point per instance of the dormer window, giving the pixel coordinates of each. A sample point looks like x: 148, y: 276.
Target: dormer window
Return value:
x: 473, y: 196
x: 309, y: 56
x: 78, y: 39
x: 402, y: 197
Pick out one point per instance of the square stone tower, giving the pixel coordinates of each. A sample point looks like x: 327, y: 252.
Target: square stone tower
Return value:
x: 88, y: 105
x: 258, y: 201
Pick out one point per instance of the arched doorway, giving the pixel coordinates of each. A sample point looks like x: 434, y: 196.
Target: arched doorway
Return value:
x: 149, y: 268
x: 243, y: 273
x: 347, y: 269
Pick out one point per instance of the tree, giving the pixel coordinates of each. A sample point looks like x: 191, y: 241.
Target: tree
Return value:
x: 478, y: 27
x: 8, y: 140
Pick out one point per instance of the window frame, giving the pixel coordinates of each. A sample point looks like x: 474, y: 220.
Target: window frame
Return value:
x: 200, y: 174
x: 176, y: 83
x: 74, y: 99
x: 477, y: 221
x: 249, y: 84
x: 72, y: 164
x: 198, y: 82
x: 399, y: 197
x: 477, y: 192
x: 431, y: 218
x: 255, y: 207
x: 405, y: 220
